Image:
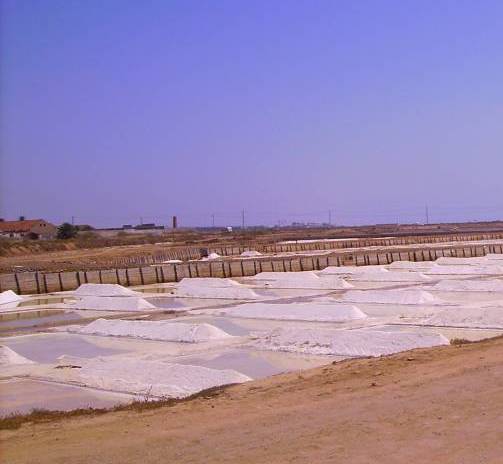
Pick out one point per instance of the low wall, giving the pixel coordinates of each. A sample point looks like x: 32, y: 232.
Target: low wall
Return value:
x: 38, y: 282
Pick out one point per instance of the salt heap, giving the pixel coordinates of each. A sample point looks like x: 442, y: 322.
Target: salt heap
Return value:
x: 154, y: 330
x: 104, y: 290
x: 320, y: 312
x: 447, y: 261
x: 353, y: 343
x: 482, y: 318
x: 399, y: 297
x: 9, y: 300
x: 351, y: 270
x: 305, y: 279
x: 112, y: 303
x: 212, y: 287
x: 390, y: 276
x: 469, y: 286
x: 9, y: 357
x: 250, y: 254
x: 419, y: 266
x: 149, y: 378
x: 210, y: 257
x: 461, y: 269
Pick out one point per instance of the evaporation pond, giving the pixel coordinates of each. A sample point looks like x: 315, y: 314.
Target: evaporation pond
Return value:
x: 23, y: 395
x: 46, y: 348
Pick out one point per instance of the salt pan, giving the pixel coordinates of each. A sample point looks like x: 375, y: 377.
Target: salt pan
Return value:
x: 469, y: 286
x: 399, y: 297
x: 112, y: 303
x: 306, y: 279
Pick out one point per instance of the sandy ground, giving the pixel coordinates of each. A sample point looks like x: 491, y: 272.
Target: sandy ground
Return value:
x: 440, y: 405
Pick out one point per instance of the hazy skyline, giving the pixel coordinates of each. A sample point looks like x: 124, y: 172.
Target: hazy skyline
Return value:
x: 112, y: 111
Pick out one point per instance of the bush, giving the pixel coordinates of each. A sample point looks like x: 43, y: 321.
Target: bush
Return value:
x: 66, y: 231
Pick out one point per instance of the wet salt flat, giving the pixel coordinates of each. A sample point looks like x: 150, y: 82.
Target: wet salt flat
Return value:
x: 176, y: 339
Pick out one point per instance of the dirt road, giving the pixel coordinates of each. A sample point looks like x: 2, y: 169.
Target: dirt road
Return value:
x: 442, y: 405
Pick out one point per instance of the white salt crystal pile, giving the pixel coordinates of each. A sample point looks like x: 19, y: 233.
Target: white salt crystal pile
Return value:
x: 398, y: 297
x: 154, y: 330
x: 214, y: 288
x: 9, y: 357
x: 149, y: 378
x: 418, y: 266
x: 112, y: 303
x: 469, y: 286
x: 390, y: 276
x: 482, y: 318
x: 461, y: 269
x: 250, y: 254
x: 306, y: 279
x: 9, y: 300
x: 104, y: 290
x: 352, y: 343
x: 351, y: 270
x: 319, y: 312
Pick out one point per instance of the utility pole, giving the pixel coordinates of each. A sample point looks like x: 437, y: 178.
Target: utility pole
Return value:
x: 427, y: 215
x: 141, y: 220
x: 213, y: 220
x: 329, y: 217
x: 73, y: 220
x: 243, y: 219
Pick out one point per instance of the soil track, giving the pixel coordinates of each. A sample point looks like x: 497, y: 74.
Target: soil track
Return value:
x: 435, y: 405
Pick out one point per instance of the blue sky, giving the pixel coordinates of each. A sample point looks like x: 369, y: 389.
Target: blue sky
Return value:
x: 115, y: 110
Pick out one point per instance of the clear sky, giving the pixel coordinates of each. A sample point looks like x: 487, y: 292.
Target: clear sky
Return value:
x: 112, y: 110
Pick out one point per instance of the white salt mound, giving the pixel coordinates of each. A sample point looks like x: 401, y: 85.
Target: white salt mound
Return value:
x: 9, y: 357
x: 469, y: 286
x: 390, y: 276
x: 154, y: 330
x: 351, y: 270
x: 410, y: 265
x: 250, y: 254
x: 391, y: 297
x: 320, y: 312
x: 210, y: 257
x: 113, y: 303
x: 149, y: 378
x: 214, y: 288
x: 173, y: 261
x: 9, y: 297
x: 305, y: 279
x: 465, y: 270
x: 352, y: 343
x: 448, y: 261
x: 483, y: 318
x: 104, y: 290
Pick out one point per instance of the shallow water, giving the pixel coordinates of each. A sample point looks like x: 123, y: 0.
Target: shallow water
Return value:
x: 43, y: 320
x: 47, y: 348
x: 24, y: 395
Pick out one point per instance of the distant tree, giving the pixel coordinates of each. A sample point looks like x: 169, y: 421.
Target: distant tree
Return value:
x: 66, y: 231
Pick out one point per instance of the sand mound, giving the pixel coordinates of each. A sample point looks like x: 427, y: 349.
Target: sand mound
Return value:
x: 469, y: 286
x: 149, y: 378
x: 391, y: 297
x: 9, y: 297
x: 321, y: 312
x: 113, y: 303
x: 306, y: 279
x: 250, y: 254
x: 351, y: 270
x: 390, y: 276
x: 104, y: 290
x: 214, y: 288
x: 154, y: 330
x: 352, y: 343
x: 483, y: 318
x: 9, y: 357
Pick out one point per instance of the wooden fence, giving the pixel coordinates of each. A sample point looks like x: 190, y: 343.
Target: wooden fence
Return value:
x: 38, y: 282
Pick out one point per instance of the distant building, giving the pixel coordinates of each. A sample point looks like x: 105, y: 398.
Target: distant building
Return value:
x: 28, y: 228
